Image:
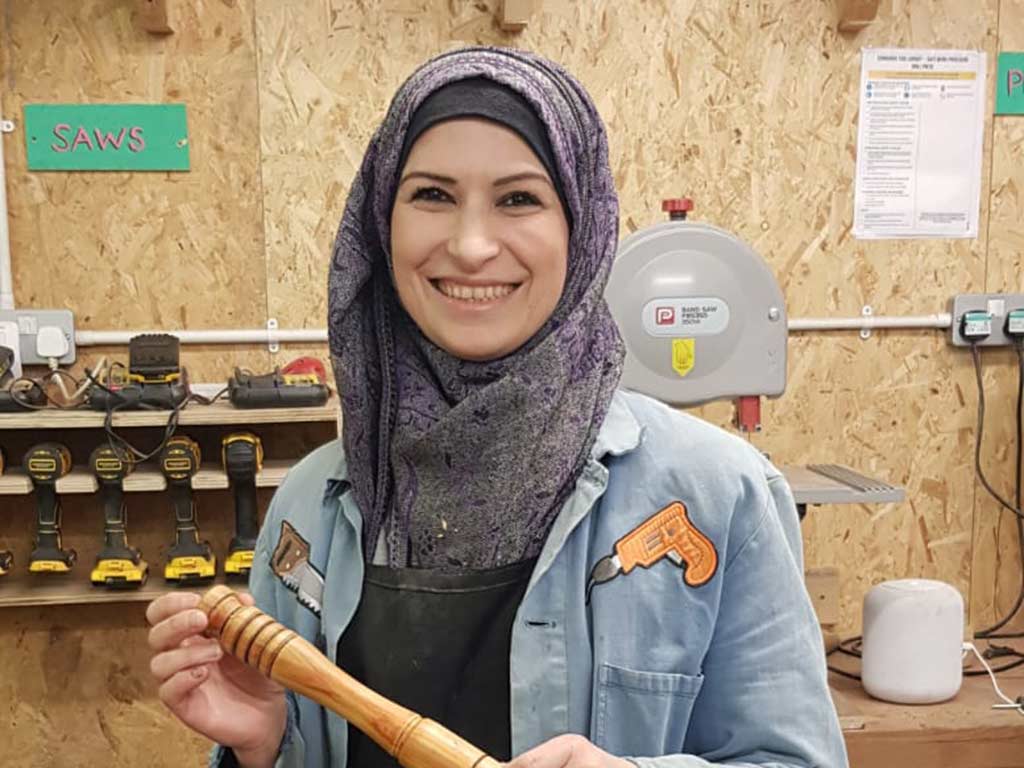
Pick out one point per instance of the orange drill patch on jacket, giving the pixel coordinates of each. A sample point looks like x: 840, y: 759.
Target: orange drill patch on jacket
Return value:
x: 667, y: 534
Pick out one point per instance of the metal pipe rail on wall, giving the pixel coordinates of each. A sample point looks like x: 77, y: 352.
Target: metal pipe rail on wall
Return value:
x: 316, y: 335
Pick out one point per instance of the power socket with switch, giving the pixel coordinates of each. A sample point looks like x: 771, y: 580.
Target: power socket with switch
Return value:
x: 969, y: 311
x: 31, y: 321
x: 9, y: 338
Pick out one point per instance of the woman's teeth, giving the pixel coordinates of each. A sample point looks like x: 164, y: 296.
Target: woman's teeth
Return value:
x: 475, y: 292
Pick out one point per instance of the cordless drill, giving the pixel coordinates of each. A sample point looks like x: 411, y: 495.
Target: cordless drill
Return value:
x: 45, y: 464
x: 242, y: 455
x: 118, y: 566
x: 189, y: 560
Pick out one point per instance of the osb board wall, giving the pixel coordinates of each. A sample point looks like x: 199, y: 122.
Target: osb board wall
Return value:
x: 76, y: 694
x: 749, y: 107
x: 995, y: 533
x: 146, y: 250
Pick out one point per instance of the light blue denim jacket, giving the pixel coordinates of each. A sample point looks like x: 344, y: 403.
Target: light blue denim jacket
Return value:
x: 730, y: 672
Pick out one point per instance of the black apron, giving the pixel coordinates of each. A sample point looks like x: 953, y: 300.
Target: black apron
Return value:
x: 438, y: 644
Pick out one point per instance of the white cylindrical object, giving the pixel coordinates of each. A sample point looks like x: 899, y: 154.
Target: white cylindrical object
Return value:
x: 913, y: 641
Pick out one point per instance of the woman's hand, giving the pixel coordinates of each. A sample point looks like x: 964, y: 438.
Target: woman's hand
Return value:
x: 568, y: 751
x: 209, y: 691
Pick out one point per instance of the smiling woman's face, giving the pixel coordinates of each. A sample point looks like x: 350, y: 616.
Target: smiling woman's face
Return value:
x: 479, y: 240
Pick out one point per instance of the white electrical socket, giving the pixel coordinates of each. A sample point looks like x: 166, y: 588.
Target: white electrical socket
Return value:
x: 9, y: 339
x: 29, y: 321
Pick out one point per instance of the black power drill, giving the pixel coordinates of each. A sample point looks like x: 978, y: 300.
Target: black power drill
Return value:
x: 189, y: 560
x: 118, y: 566
x: 242, y: 455
x: 45, y: 464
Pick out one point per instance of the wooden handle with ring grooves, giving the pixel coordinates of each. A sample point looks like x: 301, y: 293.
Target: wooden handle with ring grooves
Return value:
x: 257, y: 640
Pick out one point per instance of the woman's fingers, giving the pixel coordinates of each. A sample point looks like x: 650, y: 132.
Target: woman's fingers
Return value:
x: 169, y: 604
x: 174, y: 621
x: 567, y: 751
x: 174, y: 690
x: 175, y: 618
x: 167, y: 664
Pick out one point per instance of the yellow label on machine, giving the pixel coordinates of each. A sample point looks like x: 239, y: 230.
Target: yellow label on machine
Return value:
x: 683, y: 356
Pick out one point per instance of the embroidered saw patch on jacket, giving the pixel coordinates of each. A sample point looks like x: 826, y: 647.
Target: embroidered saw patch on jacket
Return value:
x: 290, y: 562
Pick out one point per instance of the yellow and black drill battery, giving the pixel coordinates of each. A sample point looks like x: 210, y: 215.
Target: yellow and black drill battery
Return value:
x: 45, y: 464
x: 189, y: 560
x: 118, y: 566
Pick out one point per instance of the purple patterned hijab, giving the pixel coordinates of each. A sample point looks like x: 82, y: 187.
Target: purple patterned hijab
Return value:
x: 459, y: 464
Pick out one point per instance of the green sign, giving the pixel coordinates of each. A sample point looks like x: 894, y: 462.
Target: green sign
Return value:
x: 1010, y: 84
x: 106, y: 137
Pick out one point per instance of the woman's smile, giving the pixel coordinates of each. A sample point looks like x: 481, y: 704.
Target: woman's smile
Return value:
x: 475, y: 295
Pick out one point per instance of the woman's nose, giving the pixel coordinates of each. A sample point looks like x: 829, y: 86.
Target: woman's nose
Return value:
x: 473, y: 243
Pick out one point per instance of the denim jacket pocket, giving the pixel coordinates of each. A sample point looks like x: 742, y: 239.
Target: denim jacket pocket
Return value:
x: 642, y: 714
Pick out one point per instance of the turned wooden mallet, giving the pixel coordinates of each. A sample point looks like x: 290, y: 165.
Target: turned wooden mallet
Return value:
x: 257, y: 640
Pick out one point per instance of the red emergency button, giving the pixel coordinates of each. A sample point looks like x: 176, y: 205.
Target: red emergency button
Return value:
x: 677, y: 207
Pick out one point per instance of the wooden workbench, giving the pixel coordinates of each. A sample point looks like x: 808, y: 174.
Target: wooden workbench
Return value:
x: 963, y: 733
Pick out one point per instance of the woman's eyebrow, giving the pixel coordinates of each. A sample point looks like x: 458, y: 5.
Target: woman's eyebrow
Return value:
x: 521, y: 176
x: 424, y: 175
x: 438, y: 178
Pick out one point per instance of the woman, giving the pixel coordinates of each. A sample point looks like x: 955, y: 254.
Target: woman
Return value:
x: 466, y: 552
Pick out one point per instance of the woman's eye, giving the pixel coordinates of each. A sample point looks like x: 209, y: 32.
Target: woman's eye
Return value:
x: 431, y: 195
x: 519, y: 199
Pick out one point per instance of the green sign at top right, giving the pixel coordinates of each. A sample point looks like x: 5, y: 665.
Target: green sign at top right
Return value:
x: 1010, y: 84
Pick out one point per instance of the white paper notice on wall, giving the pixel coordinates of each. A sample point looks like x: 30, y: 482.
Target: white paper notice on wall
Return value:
x: 919, y: 139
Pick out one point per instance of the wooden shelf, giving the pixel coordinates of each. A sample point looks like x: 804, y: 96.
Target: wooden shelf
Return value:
x: 273, y: 472
x: 221, y: 412
x: 145, y: 479
x: 20, y: 588
x: 15, y: 483
x: 78, y: 481
x: 211, y: 477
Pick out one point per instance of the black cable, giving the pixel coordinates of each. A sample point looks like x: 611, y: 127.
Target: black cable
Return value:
x: 49, y: 403
x: 990, y: 632
x: 980, y: 432
x: 844, y: 673
x: 169, y: 429
x: 115, y: 440
x: 19, y: 396
x: 850, y: 646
